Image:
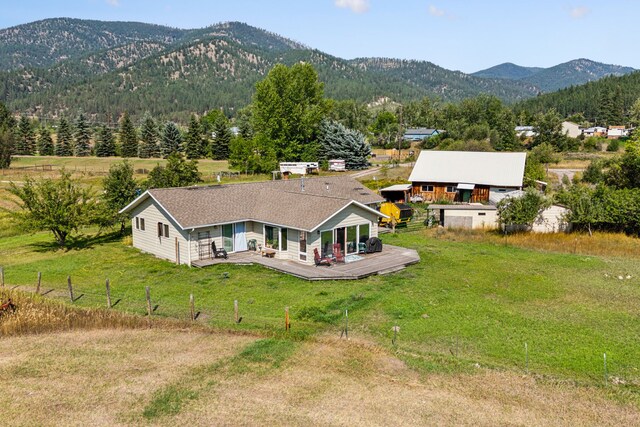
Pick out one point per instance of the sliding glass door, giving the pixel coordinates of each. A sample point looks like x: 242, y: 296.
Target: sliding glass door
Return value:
x: 227, y: 237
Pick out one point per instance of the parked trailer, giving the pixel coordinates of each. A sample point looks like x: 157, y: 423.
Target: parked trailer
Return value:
x: 337, y: 165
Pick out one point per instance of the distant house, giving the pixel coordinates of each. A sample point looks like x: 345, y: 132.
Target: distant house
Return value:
x: 615, y: 132
x: 595, y: 131
x: 525, y: 131
x: 571, y: 129
x: 291, y: 218
x: 466, y: 176
x: 418, y: 134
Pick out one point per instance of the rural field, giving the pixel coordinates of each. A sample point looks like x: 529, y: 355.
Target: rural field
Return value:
x: 488, y: 329
x: 464, y: 313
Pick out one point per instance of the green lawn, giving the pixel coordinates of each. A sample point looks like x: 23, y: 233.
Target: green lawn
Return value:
x: 465, y: 303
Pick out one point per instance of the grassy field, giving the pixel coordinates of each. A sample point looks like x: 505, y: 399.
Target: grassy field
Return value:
x: 190, y: 377
x: 469, y: 303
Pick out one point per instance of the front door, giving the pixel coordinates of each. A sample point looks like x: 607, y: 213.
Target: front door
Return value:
x: 227, y: 237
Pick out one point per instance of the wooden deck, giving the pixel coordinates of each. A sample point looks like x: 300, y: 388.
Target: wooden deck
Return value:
x: 392, y: 258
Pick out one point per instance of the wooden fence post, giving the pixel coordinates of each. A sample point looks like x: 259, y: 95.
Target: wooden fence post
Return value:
x: 191, y: 304
x: 235, y: 310
x: 39, y: 281
x: 148, y: 294
x: 286, y: 319
x: 70, y: 288
x: 2, y: 276
x: 108, y: 286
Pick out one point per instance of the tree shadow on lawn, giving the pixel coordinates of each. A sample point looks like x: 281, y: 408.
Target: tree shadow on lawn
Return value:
x: 77, y: 243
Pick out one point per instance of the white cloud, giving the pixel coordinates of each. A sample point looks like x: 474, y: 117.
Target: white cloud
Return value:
x: 357, y: 6
x: 114, y: 3
x: 434, y: 11
x: 579, y: 12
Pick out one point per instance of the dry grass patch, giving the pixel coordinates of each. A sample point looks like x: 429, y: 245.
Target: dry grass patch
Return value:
x: 113, y: 377
x: 600, y: 244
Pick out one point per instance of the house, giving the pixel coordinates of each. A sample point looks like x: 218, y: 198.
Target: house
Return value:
x: 595, y: 131
x: 418, y: 134
x: 571, y: 129
x: 616, y: 132
x: 525, y: 131
x: 466, y: 176
x: 291, y: 217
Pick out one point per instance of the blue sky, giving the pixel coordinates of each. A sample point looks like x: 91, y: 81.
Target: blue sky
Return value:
x: 466, y: 35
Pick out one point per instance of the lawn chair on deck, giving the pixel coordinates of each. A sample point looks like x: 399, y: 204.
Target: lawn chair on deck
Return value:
x: 338, y: 255
x: 318, y: 260
x: 222, y: 253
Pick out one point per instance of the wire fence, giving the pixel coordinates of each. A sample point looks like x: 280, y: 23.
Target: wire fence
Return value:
x: 249, y: 314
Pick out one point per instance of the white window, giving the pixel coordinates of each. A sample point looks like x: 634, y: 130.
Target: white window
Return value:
x: 427, y: 188
x: 451, y: 189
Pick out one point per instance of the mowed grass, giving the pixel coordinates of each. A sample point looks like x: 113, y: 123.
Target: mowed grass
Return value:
x: 466, y: 304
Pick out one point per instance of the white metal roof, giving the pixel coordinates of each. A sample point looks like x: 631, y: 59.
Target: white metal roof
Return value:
x: 397, y: 187
x: 471, y: 167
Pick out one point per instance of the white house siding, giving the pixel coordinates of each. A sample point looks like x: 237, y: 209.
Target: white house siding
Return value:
x: 352, y: 215
x: 552, y: 220
x: 148, y: 240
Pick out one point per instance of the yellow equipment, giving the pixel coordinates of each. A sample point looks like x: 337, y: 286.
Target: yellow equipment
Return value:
x: 401, y: 212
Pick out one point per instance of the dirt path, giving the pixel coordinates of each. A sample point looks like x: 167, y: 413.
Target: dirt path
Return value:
x: 562, y: 172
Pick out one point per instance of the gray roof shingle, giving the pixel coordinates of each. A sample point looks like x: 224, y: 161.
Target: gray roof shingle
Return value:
x: 275, y: 202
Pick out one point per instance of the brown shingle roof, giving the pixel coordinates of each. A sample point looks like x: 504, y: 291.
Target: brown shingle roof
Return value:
x: 275, y: 202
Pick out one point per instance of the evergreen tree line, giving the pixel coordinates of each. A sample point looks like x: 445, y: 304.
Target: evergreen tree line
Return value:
x: 208, y: 137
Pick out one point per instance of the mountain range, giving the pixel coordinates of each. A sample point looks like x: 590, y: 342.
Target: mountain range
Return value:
x: 62, y: 65
x: 572, y: 73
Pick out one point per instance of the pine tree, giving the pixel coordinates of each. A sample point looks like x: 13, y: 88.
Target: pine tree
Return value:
x: 149, y: 138
x: 171, y: 139
x: 220, y: 147
x: 82, y: 137
x: 106, y: 144
x: 26, y: 143
x: 339, y: 142
x: 45, y: 143
x: 194, y: 143
x: 128, y: 137
x: 63, y: 145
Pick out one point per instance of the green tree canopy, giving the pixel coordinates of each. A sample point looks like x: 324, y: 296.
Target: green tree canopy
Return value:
x: 194, y: 143
x: 170, y: 140
x: 119, y: 190
x: 148, y: 147
x: 339, y: 142
x: 26, y: 143
x: 60, y: 205
x: 222, y: 139
x: 106, y: 143
x: 177, y: 173
x: 288, y: 107
x: 519, y: 213
x: 82, y: 137
x: 45, y: 142
x: 64, y: 144
x: 128, y: 137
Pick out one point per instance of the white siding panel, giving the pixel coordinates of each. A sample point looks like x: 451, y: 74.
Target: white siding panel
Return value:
x: 148, y: 240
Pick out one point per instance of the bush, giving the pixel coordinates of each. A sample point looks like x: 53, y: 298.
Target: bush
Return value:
x: 614, y: 145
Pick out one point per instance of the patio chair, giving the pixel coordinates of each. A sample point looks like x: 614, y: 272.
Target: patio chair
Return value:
x: 338, y: 255
x: 218, y: 253
x: 318, y: 260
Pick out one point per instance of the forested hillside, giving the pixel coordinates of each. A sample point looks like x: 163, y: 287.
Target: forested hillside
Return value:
x: 606, y: 101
